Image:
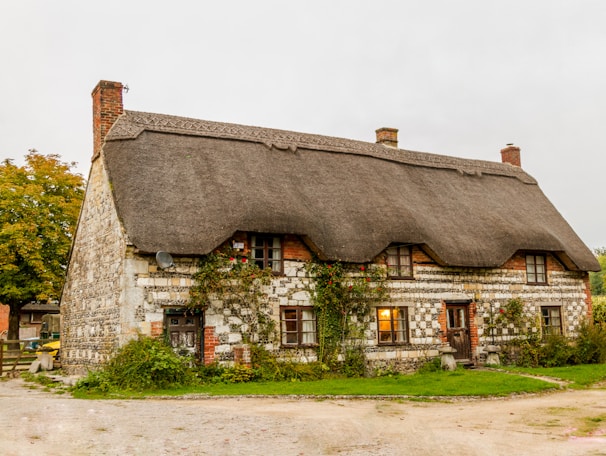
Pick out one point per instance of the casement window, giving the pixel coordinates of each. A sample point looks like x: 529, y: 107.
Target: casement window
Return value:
x: 266, y: 252
x: 392, y: 323
x: 536, y: 269
x: 298, y: 326
x: 399, y: 262
x: 551, y: 320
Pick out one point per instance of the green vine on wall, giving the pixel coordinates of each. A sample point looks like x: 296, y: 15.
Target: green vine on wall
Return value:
x: 512, y: 312
x: 229, y: 276
x: 343, y: 296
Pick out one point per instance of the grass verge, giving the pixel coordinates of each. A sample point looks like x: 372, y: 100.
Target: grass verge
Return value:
x: 579, y: 376
x: 461, y: 382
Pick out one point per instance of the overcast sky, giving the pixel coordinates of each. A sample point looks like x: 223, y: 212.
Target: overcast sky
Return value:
x: 461, y: 78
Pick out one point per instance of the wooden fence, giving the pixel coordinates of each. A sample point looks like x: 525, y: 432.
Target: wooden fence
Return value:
x: 17, y: 356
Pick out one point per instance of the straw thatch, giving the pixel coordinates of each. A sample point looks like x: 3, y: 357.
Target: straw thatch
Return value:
x: 185, y: 186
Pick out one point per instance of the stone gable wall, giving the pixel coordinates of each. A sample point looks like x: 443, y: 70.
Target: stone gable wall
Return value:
x: 91, y: 301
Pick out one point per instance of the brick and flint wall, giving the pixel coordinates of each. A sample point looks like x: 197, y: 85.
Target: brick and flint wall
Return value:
x: 151, y: 291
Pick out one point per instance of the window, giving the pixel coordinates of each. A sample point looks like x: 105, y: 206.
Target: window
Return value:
x: 392, y: 323
x: 298, y: 326
x: 536, y: 271
x: 551, y: 320
x: 267, y: 252
x: 399, y: 262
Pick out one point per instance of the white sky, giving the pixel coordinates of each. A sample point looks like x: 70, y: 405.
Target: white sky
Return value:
x: 459, y: 78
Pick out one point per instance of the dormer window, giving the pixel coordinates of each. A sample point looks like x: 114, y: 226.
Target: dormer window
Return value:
x: 536, y: 269
x: 399, y: 262
x: 266, y: 251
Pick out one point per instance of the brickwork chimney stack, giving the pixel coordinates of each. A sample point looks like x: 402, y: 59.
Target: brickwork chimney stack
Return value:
x: 511, y: 155
x: 107, y: 107
x: 387, y: 136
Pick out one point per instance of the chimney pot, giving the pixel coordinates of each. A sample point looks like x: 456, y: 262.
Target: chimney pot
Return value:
x: 511, y: 154
x: 107, y: 107
x: 387, y: 136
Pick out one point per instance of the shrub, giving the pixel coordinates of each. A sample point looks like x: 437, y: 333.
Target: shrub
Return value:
x: 354, y: 362
x: 599, y: 310
x: 590, y: 344
x: 210, y: 372
x: 268, y: 367
x: 523, y: 351
x: 94, y: 381
x: 431, y: 365
x: 238, y: 374
x: 142, y: 364
x: 556, y: 351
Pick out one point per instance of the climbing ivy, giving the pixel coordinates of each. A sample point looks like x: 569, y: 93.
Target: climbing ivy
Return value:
x: 229, y: 276
x: 512, y: 312
x: 343, y: 296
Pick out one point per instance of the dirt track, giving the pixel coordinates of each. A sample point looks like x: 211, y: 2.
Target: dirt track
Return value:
x: 36, y: 422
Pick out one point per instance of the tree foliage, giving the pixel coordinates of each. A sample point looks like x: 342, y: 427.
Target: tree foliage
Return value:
x: 39, y: 206
x: 597, y: 279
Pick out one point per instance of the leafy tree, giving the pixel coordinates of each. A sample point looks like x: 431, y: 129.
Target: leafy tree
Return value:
x: 39, y: 206
x: 597, y: 279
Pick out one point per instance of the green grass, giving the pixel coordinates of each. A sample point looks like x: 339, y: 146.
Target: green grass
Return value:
x: 579, y: 375
x: 435, y: 384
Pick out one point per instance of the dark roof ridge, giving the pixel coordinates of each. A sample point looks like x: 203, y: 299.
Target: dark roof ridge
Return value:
x: 132, y: 123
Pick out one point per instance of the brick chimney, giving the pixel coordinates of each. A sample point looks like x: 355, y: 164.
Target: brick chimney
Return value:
x: 107, y: 107
x: 387, y: 136
x: 511, y: 154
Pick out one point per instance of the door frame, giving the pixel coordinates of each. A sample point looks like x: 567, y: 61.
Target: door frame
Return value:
x: 471, y: 327
x: 198, y: 317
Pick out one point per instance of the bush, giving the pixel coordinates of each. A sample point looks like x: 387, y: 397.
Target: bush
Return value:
x: 238, y: 374
x: 269, y: 368
x: 523, y: 351
x: 210, y: 372
x: 142, y: 364
x: 590, y: 344
x: 354, y: 363
x: 556, y: 351
x: 431, y: 365
x: 599, y: 310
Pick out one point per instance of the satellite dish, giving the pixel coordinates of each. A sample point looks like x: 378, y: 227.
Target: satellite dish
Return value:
x: 164, y: 260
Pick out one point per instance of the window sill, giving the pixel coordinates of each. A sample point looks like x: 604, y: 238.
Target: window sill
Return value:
x: 298, y: 346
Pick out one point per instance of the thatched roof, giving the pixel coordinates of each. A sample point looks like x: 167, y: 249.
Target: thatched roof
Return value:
x: 185, y: 186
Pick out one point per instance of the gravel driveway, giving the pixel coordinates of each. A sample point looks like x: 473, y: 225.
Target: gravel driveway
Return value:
x: 44, y: 423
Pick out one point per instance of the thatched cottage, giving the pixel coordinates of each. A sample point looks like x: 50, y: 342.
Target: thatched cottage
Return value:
x: 459, y: 237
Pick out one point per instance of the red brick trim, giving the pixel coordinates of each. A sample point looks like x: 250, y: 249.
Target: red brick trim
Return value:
x: 210, y: 342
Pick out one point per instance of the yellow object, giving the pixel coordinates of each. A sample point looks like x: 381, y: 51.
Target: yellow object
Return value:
x: 52, y: 348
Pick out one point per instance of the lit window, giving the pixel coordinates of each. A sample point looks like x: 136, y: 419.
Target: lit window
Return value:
x: 298, y: 326
x: 399, y: 262
x: 392, y: 324
x: 267, y: 252
x: 551, y: 320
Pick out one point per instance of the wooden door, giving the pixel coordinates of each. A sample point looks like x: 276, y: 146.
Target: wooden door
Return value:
x: 184, y: 333
x: 457, y: 321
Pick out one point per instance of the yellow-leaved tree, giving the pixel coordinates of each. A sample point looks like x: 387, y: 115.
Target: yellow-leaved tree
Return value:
x: 39, y: 206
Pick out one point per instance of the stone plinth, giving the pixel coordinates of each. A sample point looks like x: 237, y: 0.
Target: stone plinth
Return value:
x: 492, y: 357
x: 447, y: 358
